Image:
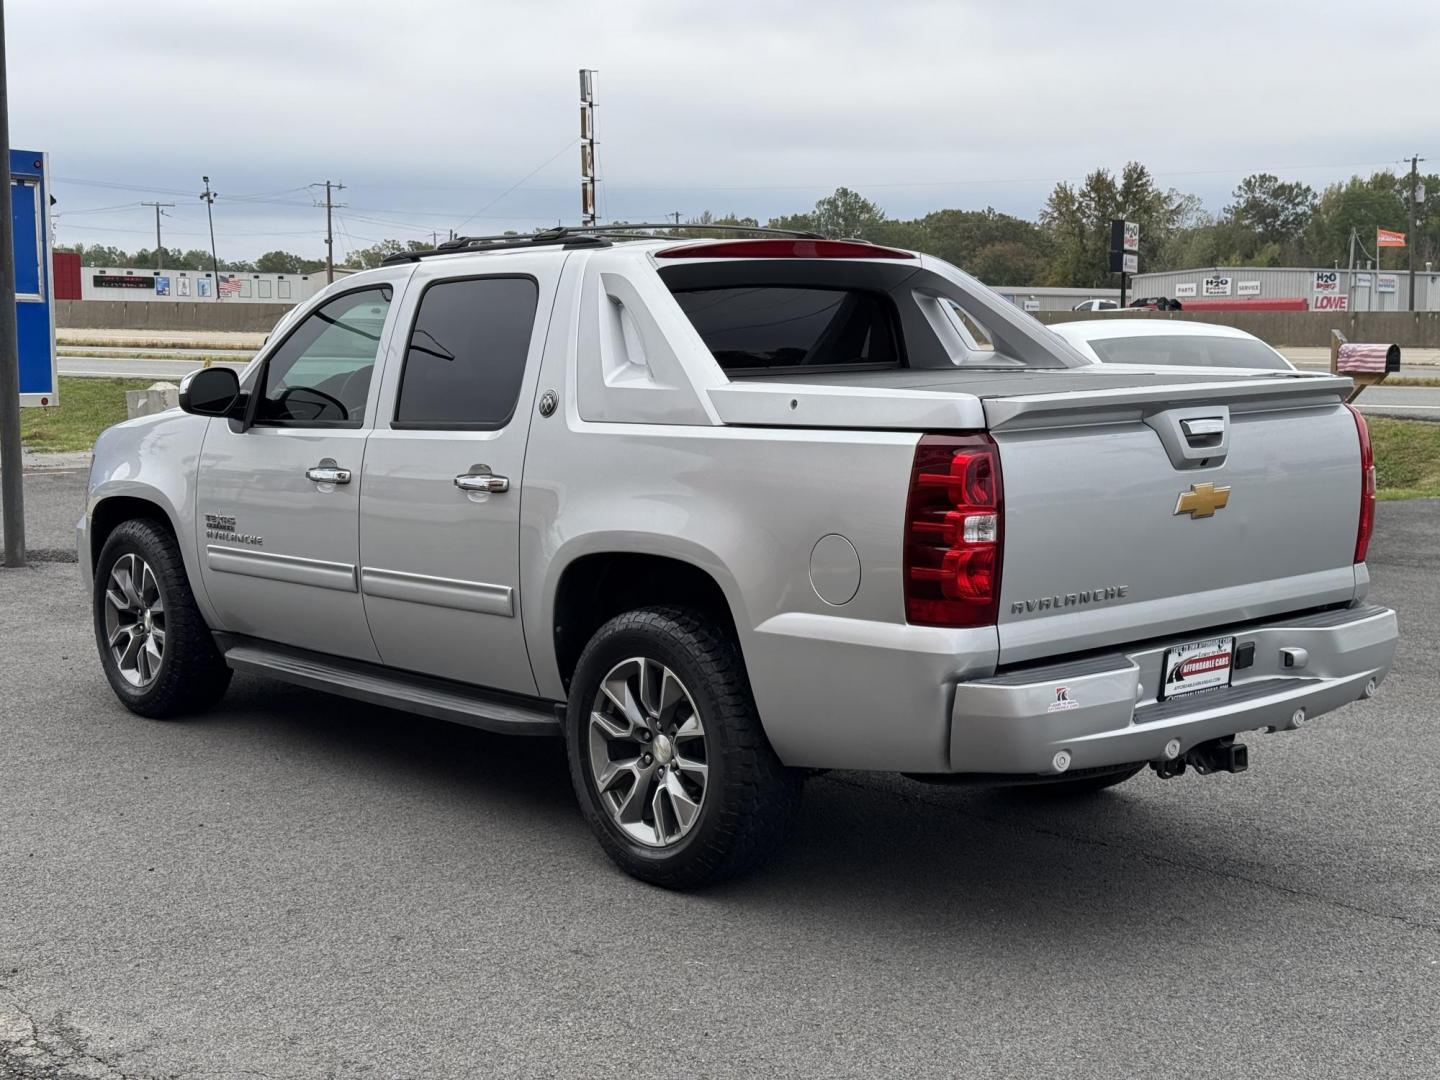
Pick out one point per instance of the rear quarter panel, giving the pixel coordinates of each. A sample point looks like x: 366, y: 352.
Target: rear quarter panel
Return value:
x: 748, y: 505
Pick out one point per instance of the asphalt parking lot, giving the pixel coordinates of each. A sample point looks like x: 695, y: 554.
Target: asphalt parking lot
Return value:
x: 297, y: 886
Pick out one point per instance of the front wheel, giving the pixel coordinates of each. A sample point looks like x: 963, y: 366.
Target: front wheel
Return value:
x: 156, y: 650
x: 667, y: 755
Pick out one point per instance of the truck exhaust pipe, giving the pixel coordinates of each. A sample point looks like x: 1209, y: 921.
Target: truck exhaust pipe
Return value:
x: 1217, y: 755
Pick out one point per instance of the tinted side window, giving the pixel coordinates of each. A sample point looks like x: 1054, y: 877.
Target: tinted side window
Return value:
x: 466, y: 358
x: 321, y: 372
x: 780, y: 327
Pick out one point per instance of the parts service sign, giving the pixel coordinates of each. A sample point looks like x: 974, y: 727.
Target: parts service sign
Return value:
x: 1185, y: 288
x: 1328, y: 296
x: 1217, y: 286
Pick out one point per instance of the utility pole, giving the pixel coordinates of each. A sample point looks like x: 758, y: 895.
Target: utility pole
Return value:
x: 12, y: 490
x: 209, y: 198
x: 330, y: 187
x: 676, y: 215
x: 1410, y: 236
x: 159, y: 250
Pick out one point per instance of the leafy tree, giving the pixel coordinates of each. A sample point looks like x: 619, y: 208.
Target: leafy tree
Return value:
x: 1362, y: 204
x: 793, y: 222
x: 842, y: 214
x: 1008, y: 263
x: 1275, y: 211
x: 372, y: 256
x: 995, y: 247
x: 847, y: 214
x: 707, y: 218
x: 283, y: 262
x: 1078, y: 220
x: 98, y: 254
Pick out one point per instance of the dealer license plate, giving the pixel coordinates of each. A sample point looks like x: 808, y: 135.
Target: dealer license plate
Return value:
x: 1199, y: 665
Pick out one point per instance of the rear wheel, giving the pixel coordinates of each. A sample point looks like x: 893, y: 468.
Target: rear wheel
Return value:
x: 155, y: 648
x: 667, y: 755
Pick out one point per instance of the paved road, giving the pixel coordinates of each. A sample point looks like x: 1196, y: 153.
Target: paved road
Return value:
x: 295, y: 886
x: 114, y: 367
x: 1406, y: 402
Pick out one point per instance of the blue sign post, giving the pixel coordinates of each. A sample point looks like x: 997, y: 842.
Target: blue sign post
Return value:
x: 34, y: 277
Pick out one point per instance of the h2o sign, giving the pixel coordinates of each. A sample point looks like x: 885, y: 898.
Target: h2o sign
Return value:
x: 1216, y: 286
x: 1327, y: 281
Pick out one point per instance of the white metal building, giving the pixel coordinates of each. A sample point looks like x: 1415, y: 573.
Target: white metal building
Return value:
x: 188, y: 286
x: 1325, y: 288
x: 1052, y: 298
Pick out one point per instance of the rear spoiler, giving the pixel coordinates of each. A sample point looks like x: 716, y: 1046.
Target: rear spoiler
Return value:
x: 1135, y: 402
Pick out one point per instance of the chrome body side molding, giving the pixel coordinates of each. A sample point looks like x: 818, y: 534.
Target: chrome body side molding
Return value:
x: 288, y: 568
x: 445, y: 592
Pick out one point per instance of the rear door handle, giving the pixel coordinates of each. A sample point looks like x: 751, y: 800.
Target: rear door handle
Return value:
x: 328, y: 474
x: 486, y: 482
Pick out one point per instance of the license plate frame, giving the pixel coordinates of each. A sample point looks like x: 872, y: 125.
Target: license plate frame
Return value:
x: 1203, y: 676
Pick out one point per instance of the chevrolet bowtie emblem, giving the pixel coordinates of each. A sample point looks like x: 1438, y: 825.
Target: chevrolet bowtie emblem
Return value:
x: 1202, y: 500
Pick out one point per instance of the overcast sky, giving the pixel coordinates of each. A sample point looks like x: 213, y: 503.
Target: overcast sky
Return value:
x: 433, y: 111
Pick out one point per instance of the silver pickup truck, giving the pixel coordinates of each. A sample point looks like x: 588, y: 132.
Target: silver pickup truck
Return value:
x: 725, y: 512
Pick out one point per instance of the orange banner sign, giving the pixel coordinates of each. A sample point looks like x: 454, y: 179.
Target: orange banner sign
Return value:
x: 1389, y: 238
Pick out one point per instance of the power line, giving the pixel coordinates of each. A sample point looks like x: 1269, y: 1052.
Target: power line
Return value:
x: 548, y: 161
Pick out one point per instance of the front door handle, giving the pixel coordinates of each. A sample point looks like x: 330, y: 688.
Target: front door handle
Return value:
x: 328, y: 474
x: 485, y: 482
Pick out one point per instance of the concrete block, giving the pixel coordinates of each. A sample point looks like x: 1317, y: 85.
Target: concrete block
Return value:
x: 157, y: 397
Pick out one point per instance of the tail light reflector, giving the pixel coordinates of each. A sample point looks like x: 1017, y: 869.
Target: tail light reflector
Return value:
x: 954, y: 532
x: 1367, y: 487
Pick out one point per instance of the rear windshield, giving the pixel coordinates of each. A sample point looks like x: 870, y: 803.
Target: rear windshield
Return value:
x: 1186, y: 349
x: 757, y: 328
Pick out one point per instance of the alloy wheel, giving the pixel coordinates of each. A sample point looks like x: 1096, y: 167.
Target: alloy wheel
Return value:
x: 647, y: 752
x: 134, y: 620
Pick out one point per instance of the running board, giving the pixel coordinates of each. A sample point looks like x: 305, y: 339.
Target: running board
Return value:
x: 507, y: 714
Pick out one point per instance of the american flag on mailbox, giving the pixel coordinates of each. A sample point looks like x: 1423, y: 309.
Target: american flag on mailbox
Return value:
x: 229, y: 285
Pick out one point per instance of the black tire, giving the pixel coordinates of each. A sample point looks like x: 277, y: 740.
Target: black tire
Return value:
x: 191, y: 675
x: 750, y: 798
x: 1079, y: 786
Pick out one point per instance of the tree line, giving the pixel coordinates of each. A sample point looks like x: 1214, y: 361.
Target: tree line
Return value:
x: 1268, y: 222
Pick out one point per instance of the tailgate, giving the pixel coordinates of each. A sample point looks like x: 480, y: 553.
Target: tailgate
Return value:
x: 1126, y: 522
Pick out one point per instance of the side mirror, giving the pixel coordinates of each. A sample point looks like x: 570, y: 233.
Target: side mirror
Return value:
x: 210, y: 392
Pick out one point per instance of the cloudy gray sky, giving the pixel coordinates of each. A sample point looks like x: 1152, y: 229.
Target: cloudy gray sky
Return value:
x: 433, y: 111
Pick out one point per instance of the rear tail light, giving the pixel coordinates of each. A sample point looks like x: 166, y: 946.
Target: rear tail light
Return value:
x: 1367, y: 487
x: 954, y: 530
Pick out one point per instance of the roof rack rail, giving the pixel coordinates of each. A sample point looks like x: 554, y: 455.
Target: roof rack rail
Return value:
x: 582, y: 236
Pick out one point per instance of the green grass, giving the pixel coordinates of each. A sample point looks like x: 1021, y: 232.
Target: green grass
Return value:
x: 194, y: 361
x: 87, y: 407
x: 1407, y: 458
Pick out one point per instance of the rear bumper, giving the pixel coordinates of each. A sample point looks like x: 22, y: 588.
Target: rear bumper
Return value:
x: 1017, y: 722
